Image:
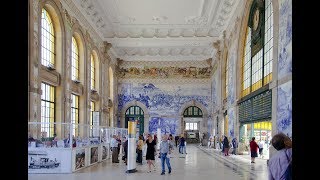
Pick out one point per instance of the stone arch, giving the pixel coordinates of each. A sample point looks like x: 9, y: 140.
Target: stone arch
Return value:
x: 204, y: 110
x: 242, y: 39
x: 194, y: 103
x: 142, y: 106
x: 56, y: 14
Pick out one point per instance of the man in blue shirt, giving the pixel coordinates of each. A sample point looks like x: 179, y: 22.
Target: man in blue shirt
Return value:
x: 165, y: 149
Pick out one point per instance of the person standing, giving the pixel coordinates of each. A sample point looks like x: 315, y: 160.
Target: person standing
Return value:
x: 176, y: 138
x: 235, y: 145
x: 165, y: 147
x: 114, y: 148
x: 182, y: 145
x: 280, y: 164
x: 125, y: 149
x: 151, y: 143
x: 226, y: 146
x: 139, y: 149
x: 253, y: 149
x: 261, y: 144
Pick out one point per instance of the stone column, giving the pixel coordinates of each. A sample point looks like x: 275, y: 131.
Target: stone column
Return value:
x: 34, y: 86
x: 67, y: 69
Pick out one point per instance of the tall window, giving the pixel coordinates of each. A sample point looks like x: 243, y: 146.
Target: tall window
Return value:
x: 91, y: 112
x: 92, y: 73
x: 75, y: 60
x: 47, y: 110
x: 75, y: 113
x: 47, y: 39
x: 192, y: 111
x: 257, y: 69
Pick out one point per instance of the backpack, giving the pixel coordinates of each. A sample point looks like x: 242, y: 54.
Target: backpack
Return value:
x: 288, y: 172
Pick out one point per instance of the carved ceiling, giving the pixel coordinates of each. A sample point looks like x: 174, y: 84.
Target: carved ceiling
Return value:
x: 159, y: 30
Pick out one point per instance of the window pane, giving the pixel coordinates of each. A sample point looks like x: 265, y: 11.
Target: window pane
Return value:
x: 47, y: 39
x: 47, y: 110
x: 75, y: 113
x: 75, y: 60
x: 92, y: 73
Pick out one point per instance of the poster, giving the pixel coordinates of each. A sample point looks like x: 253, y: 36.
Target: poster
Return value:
x: 50, y: 160
x: 94, y: 155
x: 104, y: 152
x: 80, y: 158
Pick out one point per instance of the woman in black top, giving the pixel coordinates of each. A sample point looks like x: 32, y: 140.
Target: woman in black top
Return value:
x: 150, y: 151
x: 226, y: 146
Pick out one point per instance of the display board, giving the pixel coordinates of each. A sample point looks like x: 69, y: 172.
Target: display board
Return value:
x: 256, y: 108
x: 49, y: 160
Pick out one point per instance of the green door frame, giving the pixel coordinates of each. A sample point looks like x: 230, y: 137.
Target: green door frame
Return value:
x: 137, y: 113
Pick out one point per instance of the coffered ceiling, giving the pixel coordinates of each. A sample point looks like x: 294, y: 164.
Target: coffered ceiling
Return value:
x: 159, y: 30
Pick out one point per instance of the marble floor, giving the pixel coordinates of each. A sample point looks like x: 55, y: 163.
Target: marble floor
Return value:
x: 199, y: 163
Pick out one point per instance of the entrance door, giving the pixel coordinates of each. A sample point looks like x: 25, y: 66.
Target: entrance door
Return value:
x: 192, y: 117
x: 137, y: 113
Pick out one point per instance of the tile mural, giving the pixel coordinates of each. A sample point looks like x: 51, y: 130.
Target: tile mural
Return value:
x: 167, y: 125
x: 284, y: 108
x: 163, y: 99
x: 231, y: 121
x: 231, y: 80
x: 285, y: 38
x: 215, y: 92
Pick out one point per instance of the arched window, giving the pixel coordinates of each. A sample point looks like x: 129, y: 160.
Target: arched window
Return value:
x: 92, y: 72
x: 75, y: 60
x: 136, y: 113
x: 47, y: 40
x: 257, y: 59
x: 192, y: 111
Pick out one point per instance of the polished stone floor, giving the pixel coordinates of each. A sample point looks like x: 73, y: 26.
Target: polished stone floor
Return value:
x: 199, y: 163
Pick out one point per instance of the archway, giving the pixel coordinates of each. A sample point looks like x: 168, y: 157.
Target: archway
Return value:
x: 137, y: 113
x: 192, y: 116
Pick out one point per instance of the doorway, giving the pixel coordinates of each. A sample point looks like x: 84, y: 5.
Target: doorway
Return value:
x: 137, y: 113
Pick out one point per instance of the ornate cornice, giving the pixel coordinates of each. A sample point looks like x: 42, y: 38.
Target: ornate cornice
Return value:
x: 206, y: 82
x: 202, y: 63
x: 72, y: 9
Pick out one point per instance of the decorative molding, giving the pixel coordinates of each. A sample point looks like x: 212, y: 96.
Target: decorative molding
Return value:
x: 167, y: 81
x: 126, y: 64
x: 94, y: 96
x: 77, y: 88
x: 197, y: 20
x: 223, y: 16
x: 72, y: 9
x: 51, y: 77
x: 164, y: 72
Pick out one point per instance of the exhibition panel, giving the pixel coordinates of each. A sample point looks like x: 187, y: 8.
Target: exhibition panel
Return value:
x: 67, y: 147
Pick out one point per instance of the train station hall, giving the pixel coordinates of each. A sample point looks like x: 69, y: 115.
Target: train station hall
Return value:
x: 159, y: 89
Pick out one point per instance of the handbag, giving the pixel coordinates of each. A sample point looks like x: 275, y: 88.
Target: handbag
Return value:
x: 288, y: 172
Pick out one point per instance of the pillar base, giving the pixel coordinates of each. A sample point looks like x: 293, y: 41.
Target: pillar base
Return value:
x: 131, y: 171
